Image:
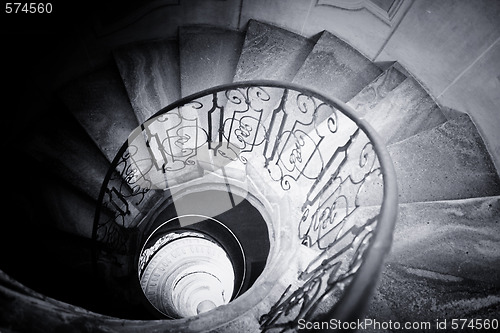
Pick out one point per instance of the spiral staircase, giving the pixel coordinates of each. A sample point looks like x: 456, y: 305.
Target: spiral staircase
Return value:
x: 444, y: 261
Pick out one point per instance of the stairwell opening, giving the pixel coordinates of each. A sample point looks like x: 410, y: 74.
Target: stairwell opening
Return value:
x: 318, y: 178
x: 193, y: 262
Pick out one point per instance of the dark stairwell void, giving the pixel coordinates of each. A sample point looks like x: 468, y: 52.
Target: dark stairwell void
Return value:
x: 240, y: 230
x: 444, y: 259
x: 177, y: 234
x: 240, y: 218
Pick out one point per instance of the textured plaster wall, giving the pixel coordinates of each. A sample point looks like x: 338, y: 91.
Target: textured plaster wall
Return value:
x: 453, y: 47
x: 477, y: 92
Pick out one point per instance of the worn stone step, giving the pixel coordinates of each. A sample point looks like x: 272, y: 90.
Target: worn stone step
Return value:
x: 65, y: 149
x: 71, y: 211
x: 336, y: 69
x: 271, y: 53
x: 445, y: 163
x: 373, y: 93
x: 208, y: 56
x: 404, y: 112
x: 31, y: 304
x: 100, y: 103
x: 458, y: 237
x: 420, y: 296
x: 150, y: 71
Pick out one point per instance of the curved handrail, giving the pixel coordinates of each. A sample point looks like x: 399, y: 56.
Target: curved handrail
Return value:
x: 349, y: 309
x: 373, y: 244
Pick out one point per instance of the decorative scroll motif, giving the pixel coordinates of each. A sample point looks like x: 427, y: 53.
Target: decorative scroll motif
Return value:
x: 288, y: 127
x: 324, y: 281
x: 243, y: 127
x: 332, y: 223
x: 171, y: 147
x: 309, y: 148
x: 300, y: 147
x: 173, y: 141
x: 122, y: 193
x: 335, y: 195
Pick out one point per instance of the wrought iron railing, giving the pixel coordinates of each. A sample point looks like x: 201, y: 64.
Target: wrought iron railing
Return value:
x: 329, y: 165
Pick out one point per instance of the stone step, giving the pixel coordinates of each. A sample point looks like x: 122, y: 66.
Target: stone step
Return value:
x: 271, y: 53
x: 412, y: 295
x: 373, y: 93
x: 460, y: 238
x: 336, y: 69
x: 445, y: 163
x: 404, y: 112
x: 208, y: 57
x: 150, y: 71
x: 65, y: 149
x: 31, y: 304
x: 100, y: 103
x: 71, y: 211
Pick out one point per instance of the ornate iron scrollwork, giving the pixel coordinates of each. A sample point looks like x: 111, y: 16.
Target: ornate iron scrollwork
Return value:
x: 312, y: 147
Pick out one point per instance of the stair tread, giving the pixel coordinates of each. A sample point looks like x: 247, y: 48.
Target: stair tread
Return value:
x: 100, y: 104
x: 67, y: 151
x: 72, y: 211
x: 336, y: 69
x: 447, y: 162
x: 433, y: 296
x: 405, y: 111
x: 150, y: 72
x: 271, y: 53
x: 208, y: 57
x: 378, y: 89
x: 458, y: 238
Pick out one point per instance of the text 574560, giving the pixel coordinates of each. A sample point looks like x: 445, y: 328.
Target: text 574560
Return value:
x: 28, y: 7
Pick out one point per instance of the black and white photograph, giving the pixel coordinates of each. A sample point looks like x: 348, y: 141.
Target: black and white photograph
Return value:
x: 253, y: 166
